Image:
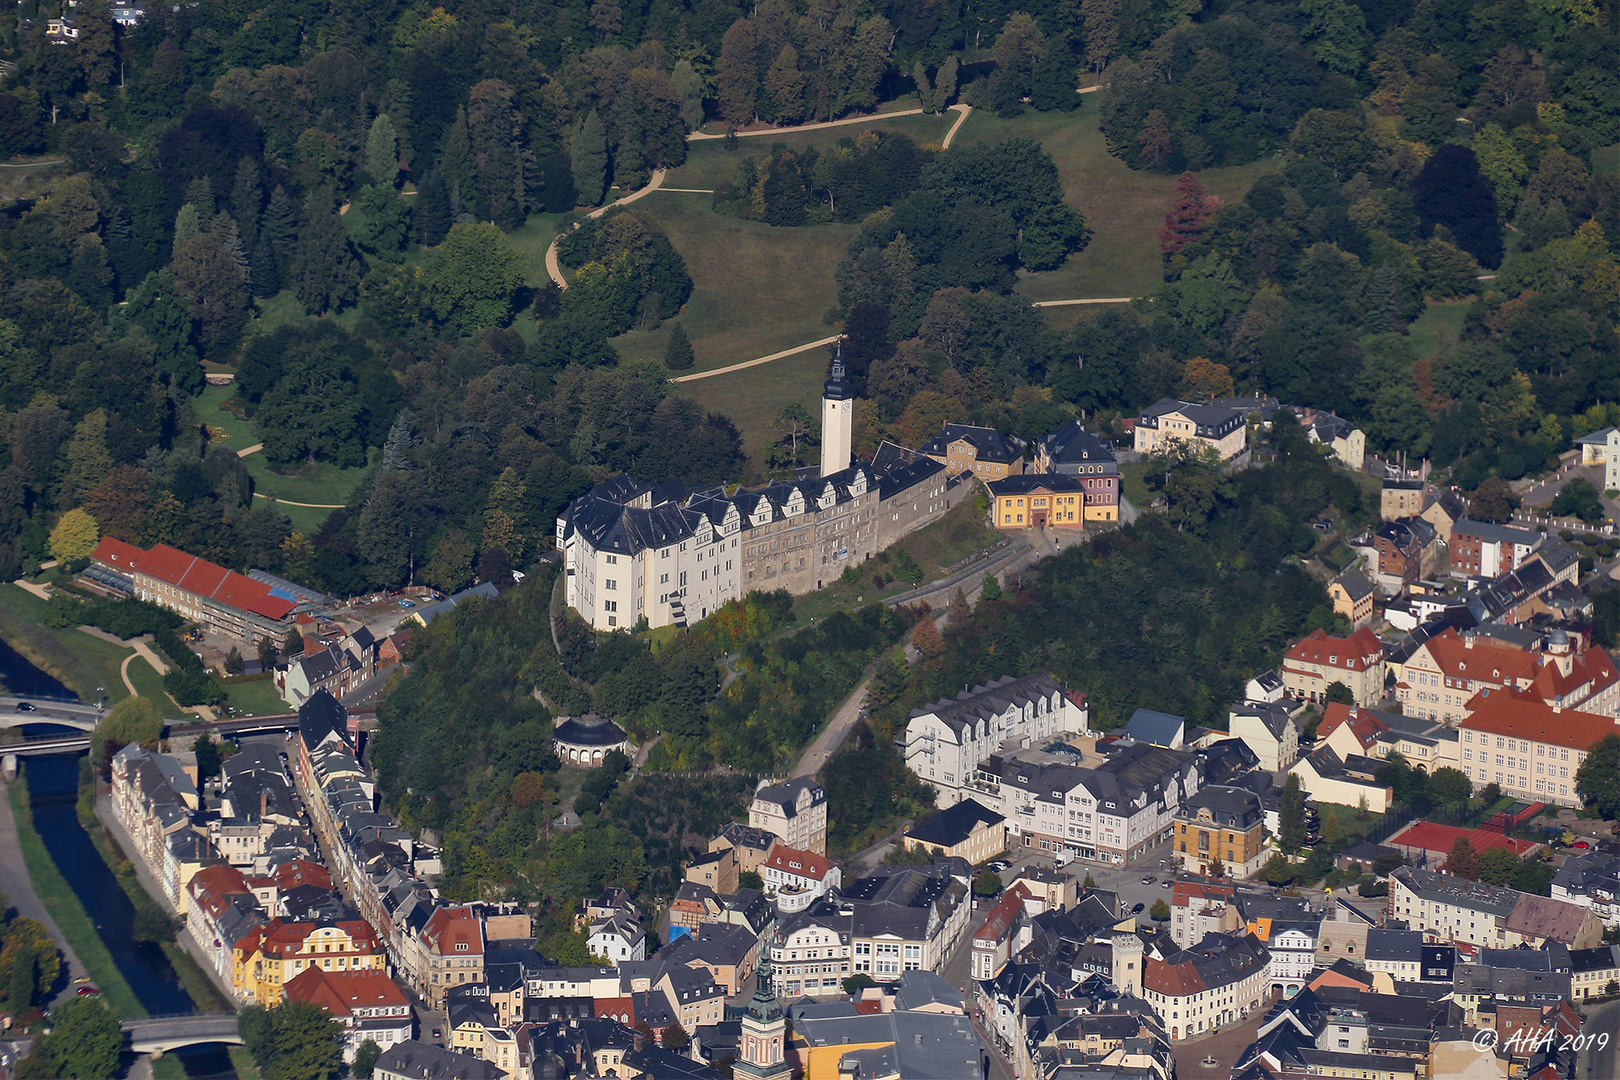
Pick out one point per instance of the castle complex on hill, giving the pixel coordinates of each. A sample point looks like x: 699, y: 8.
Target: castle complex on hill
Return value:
x: 637, y: 551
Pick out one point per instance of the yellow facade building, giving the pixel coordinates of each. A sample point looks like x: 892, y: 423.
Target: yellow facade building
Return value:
x: 1038, y: 501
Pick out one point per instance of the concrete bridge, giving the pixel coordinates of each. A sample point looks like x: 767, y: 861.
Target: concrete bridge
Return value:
x: 161, y: 1034
x: 46, y: 711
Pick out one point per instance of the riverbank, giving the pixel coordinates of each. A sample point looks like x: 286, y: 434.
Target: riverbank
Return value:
x: 80, y: 663
x: 150, y: 907
x: 65, y: 914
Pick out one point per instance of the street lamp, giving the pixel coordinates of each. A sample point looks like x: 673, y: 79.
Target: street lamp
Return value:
x: 101, y: 698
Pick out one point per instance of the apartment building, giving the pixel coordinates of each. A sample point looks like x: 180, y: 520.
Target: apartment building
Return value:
x: 1216, y: 982
x: 1484, y: 549
x: 1514, y: 739
x: 197, y: 590
x: 1319, y: 660
x: 1073, y: 451
x: 984, y: 452
x: 945, y: 742
x: 1224, y: 825
x: 795, y: 811
x: 265, y: 960
x: 1453, y: 909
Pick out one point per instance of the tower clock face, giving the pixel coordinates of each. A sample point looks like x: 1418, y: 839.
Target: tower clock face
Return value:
x: 846, y: 406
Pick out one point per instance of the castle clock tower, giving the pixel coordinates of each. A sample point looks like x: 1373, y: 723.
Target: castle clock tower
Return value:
x: 837, y: 417
x: 762, y: 1043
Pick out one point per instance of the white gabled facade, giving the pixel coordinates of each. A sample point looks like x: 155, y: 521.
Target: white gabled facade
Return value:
x: 945, y: 743
x: 627, y: 559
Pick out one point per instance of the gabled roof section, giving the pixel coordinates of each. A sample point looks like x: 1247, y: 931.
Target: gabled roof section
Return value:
x: 1358, y: 652
x: 988, y: 443
x: 1072, y: 445
x: 321, y: 716
x: 955, y: 824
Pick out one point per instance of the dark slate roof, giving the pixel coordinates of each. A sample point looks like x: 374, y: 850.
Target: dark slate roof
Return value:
x: 988, y: 443
x: 1493, y: 533
x: 320, y: 716
x: 1273, y: 714
x: 837, y: 387
x: 903, y: 477
x: 1071, y: 446
x: 955, y: 824
x: 627, y: 530
x: 1601, y: 958
x: 588, y: 733
x: 1024, y: 483
x: 1229, y: 806
x: 424, y: 1061
x: 786, y: 794
x: 1355, y: 583
x: 320, y: 666
x: 1395, y: 945
x: 1210, y: 419
x: 982, y: 702
x: 1150, y: 726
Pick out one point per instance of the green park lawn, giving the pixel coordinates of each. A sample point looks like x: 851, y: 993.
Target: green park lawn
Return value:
x: 79, y: 661
x: 258, y: 698
x: 322, y: 484
x: 757, y: 288
x: 709, y: 162
x: 755, y: 397
x: 1438, y: 327
x: 1123, y: 207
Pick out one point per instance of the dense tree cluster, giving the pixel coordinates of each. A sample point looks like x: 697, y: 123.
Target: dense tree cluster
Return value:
x: 1211, y: 605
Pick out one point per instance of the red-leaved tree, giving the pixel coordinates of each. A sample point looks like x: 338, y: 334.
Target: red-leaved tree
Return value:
x: 1187, y: 216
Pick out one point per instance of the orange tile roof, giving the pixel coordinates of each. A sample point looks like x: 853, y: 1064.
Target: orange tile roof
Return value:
x: 290, y: 875
x: 452, y: 926
x: 287, y: 938
x: 1523, y: 715
x: 1186, y: 892
x: 1358, y: 652
x: 1173, y: 980
x: 341, y: 992
x: 1483, y: 660
x: 212, y: 886
x: 1592, y: 669
x: 1002, y: 916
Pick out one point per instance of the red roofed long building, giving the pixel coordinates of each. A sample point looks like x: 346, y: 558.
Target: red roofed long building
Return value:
x: 199, y: 590
x: 1530, y: 748
x: 368, y: 1003
x: 1317, y: 661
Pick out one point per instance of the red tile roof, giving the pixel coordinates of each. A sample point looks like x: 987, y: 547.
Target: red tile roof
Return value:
x: 1363, y: 725
x: 342, y: 992
x: 212, y: 886
x: 1173, y: 980
x: 193, y: 575
x: 1001, y: 918
x: 1186, y: 892
x: 452, y: 926
x: 1433, y: 837
x: 805, y: 864
x: 287, y: 938
x: 1484, y: 660
x: 1358, y: 652
x: 1523, y: 715
x: 1592, y: 670
x: 290, y: 875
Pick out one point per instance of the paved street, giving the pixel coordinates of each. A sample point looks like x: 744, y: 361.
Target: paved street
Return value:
x: 44, y: 711
x: 1597, y: 1062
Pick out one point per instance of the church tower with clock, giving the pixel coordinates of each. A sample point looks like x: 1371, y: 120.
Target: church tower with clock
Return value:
x: 837, y: 417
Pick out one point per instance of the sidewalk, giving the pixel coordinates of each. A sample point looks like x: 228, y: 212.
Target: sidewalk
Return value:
x: 104, y: 812
x: 16, y: 884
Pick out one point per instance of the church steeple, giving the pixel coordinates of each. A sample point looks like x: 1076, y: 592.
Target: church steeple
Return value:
x: 763, y: 1041
x: 837, y: 417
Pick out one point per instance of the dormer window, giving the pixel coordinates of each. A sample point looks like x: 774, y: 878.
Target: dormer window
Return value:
x: 461, y: 946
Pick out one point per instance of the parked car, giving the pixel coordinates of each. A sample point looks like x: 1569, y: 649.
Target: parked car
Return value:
x: 88, y: 991
x: 999, y: 865
x: 1579, y: 845
x: 1137, y: 910
x: 1148, y: 880
x: 407, y: 603
x: 26, y: 706
x: 1167, y: 884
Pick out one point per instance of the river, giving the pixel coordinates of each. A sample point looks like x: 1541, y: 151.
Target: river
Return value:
x: 53, y: 787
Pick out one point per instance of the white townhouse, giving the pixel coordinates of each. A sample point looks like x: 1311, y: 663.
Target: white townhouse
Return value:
x: 947, y: 741
x: 630, y: 553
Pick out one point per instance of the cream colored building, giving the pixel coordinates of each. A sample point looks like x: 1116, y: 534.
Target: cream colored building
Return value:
x: 796, y: 811
x: 1318, y: 660
x: 1165, y: 422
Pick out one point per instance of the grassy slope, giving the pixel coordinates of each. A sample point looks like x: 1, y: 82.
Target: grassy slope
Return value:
x: 1123, y: 207
x: 78, y: 660
x: 1437, y: 328
x: 761, y: 289
x: 58, y: 897
x: 959, y: 534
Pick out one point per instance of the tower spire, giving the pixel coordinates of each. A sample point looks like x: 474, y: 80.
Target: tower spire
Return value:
x: 837, y: 417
